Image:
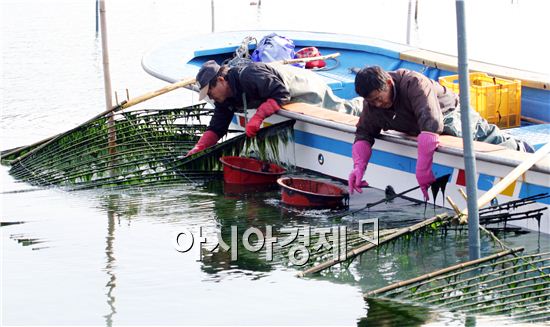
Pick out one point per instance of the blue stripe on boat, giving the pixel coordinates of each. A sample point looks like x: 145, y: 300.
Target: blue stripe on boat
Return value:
x: 485, y: 182
x: 381, y: 158
x: 323, y: 143
x: 531, y: 189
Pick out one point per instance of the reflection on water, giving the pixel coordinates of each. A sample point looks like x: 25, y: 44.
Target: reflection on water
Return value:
x: 26, y: 240
x: 388, y: 313
x: 142, y: 268
x: 109, y: 267
x: 123, y: 269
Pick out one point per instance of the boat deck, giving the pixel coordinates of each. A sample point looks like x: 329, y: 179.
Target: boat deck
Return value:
x: 536, y: 135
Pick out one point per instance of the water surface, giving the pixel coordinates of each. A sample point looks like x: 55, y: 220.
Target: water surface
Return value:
x: 104, y: 257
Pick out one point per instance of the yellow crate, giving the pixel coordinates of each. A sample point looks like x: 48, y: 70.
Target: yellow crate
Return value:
x: 496, y: 99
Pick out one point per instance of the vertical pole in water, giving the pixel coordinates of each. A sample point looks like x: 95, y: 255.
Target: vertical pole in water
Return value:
x: 96, y: 18
x: 409, y: 21
x: 105, y: 52
x: 212, y: 5
x: 469, y: 157
x: 107, y: 77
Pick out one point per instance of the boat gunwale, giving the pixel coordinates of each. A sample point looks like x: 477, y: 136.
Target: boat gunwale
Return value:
x: 391, y: 49
x: 389, y: 137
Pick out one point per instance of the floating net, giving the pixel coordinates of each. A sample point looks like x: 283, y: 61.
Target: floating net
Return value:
x: 504, y: 284
x: 136, y: 147
x: 357, y: 244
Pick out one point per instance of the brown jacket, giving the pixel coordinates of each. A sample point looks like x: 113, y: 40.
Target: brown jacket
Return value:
x: 419, y: 105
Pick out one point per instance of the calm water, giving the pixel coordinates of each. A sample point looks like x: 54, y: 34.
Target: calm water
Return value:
x: 106, y: 257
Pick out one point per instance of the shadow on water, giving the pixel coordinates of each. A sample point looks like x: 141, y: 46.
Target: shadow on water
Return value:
x: 388, y: 313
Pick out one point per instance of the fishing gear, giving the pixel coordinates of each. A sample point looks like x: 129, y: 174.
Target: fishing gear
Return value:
x: 439, y: 183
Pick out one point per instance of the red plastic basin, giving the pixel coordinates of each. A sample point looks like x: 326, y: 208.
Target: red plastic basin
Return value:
x: 308, y: 193
x: 247, y: 171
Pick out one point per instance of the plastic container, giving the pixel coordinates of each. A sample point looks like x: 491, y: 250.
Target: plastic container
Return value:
x: 308, y: 193
x: 249, y: 171
x: 496, y: 99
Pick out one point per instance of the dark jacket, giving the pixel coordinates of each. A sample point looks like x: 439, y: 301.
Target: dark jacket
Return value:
x: 258, y: 82
x: 419, y: 105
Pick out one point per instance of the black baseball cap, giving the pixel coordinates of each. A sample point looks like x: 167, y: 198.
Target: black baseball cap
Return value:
x: 208, y: 71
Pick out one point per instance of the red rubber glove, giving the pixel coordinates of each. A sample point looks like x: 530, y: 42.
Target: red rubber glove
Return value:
x: 360, y: 152
x: 266, y: 109
x: 208, y: 139
x: 427, y: 143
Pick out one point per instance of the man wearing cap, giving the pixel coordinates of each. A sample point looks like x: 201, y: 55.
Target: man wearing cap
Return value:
x: 263, y: 86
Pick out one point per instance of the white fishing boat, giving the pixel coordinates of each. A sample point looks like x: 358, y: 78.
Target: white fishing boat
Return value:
x: 323, y: 138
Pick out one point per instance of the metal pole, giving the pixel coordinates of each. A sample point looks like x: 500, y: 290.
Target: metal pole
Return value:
x: 107, y: 77
x: 469, y: 156
x: 212, y: 5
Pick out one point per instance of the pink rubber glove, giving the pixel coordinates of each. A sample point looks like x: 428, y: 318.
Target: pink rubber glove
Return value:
x: 427, y: 143
x: 266, y: 109
x: 360, y: 152
x: 208, y: 139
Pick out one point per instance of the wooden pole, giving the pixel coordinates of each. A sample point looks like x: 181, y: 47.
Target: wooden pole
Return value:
x: 363, y: 248
x: 409, y: 21
x: 453, y: 205
x: 96, y: 18
x: 148, y: 96
x: 491, y: 266
x: 124, y: 105
x: 297, y: 60
x: 213, y: 16
x: 107, y: 79
x: 464, y: 196
x: 510, y: 178
x: 440, y: 272
x: 105, y: 52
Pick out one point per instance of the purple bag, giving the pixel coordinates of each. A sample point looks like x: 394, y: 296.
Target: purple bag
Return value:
x: 273, y: 47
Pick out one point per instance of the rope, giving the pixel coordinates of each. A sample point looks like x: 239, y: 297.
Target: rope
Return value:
x: 241, y: 56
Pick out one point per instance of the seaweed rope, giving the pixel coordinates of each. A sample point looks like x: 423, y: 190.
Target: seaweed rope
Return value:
x: 166, y: 163
x: 505, y: 285
x: 437, y: 222
x: 143, y: 152
x: 82, y: 152
x: 512, y: 203
x: 444, y: 219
